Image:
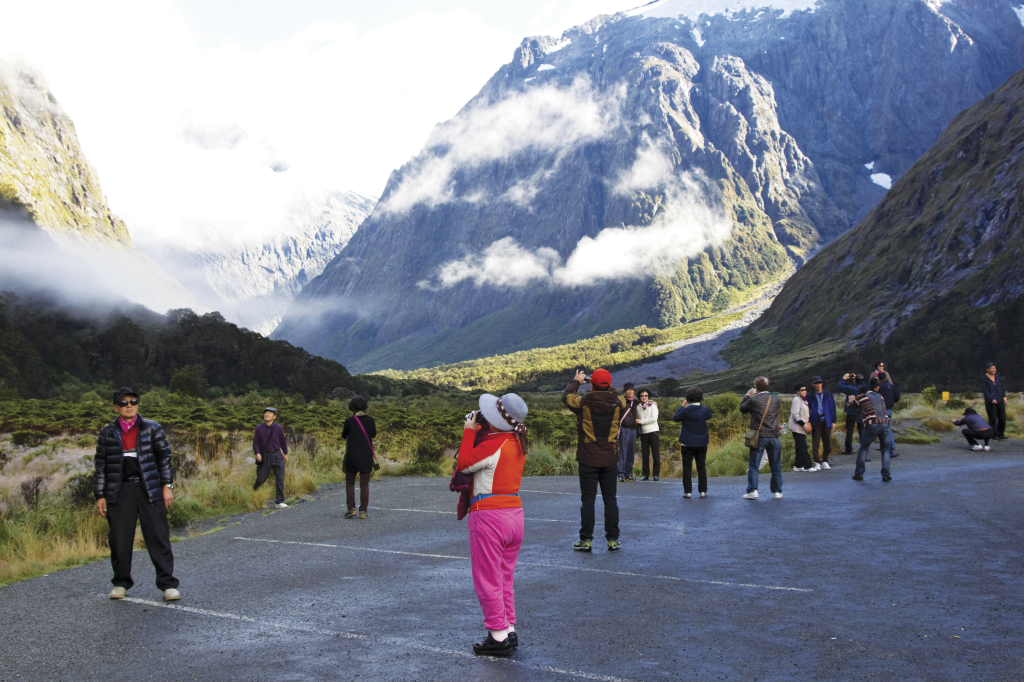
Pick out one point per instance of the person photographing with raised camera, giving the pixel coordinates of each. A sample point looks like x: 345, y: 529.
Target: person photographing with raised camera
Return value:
x: 134, y: 481
x: 597, y: 417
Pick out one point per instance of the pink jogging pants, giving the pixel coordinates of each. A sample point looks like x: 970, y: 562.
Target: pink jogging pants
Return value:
x: 495, y: 536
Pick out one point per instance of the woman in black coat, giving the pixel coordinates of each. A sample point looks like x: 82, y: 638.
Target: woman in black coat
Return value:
x: 360, y: 458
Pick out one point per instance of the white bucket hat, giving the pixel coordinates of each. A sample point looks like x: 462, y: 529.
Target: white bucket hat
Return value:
x: 506, y: 413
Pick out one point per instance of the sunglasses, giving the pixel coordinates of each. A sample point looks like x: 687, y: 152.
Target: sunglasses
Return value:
x: 126, y: 403
x: 802, y: 390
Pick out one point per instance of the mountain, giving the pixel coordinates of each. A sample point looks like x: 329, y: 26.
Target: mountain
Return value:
x: 931, y: 279
x: 253, y: 284
x: 648, y: 169
x: 53, y: 211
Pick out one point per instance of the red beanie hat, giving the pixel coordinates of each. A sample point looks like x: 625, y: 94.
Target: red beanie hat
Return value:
x: 601, y: 378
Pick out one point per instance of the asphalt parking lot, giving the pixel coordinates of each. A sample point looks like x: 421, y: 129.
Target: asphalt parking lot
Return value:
x: 917, y: 579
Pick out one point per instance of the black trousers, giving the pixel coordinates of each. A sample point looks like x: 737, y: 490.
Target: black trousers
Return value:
x: 997, y: 417
x: 364, y: 489
x: 133, y: 504
x: 272, y: 460
x: 973, y: 436
x: 590, y: 479
x: 689, y: 455
x: 803, y: 458
x: 851, y: 424
x: 650, y: 444
x: 821, y: 434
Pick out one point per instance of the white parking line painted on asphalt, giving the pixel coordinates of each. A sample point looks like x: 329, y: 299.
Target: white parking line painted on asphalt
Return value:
x: 432, y: 511
x: 723, y: 583
x: 277, y: 624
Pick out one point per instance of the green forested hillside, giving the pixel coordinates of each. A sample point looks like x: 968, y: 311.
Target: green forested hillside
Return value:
x: 48, y: 351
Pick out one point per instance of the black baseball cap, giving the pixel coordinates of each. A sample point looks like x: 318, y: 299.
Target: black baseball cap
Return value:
x: 123, y: 391
x: 816, y: 380
x: 628, y: 385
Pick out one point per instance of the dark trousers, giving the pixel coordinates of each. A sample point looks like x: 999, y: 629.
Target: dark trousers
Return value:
x: 590, y: 479
x: 822, y: 434
x: 133, y: 504
x: 689, y: 455
x: 851, y: 424
x: 973, y: 436
x: 803, y: 458
x: 997, y: 417
x: 650, y: 444
x: 364, y: 489
x: 272, y: 460
x: 627, y: 451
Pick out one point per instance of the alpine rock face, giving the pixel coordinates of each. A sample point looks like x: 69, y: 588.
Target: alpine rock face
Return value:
x: 59, y: 232
x: 253, y: 284
x: 650, y: 167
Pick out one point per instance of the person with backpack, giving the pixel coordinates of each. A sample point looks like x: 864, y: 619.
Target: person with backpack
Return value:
x: 823, y: 418
x: 876, y: 427
x: 763, y: 408
x: 270, y: 446
x: 597, y: 418
x: 495, y: 513
x: 976, y: 428
x: 693, y: 440
x: 650, y: 440
x: 134, y: 485
x: 995, y: 400
x: 360, y: 458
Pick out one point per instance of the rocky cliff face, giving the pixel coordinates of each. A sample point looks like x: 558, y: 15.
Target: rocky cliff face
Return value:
x: 46, y: 182
x: 252, y: 285
x: 648, y: 170
x: 931, y: 279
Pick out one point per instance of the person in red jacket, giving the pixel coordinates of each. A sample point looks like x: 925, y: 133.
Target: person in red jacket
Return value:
x: 495, y: 514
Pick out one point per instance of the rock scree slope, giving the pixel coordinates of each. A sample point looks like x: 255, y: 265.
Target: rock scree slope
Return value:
x: 647, y: 170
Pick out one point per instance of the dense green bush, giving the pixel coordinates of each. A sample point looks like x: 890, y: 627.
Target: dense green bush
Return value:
x: 80, y: 488
x: 190, y: 381
x: 930, y: 395
x: 956, y: 404
x: 184, y: 512
x: 28, y: 438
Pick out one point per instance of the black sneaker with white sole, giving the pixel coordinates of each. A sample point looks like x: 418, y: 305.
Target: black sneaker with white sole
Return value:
x: 514, y: 638
x: 492, y: 647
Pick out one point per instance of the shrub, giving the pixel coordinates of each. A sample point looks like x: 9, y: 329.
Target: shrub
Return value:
x: 544, y: 461
x: 969, y: 395
x: 668, y: 387
x: 4, y: 458
x: 28, y: 438
x: 930, y: 395
x: 724, y: 403
x: 955, y: 404
x: 80, y: 489
x: 91, y: 397
x: 184, y: 511
x: 429, y: 450
x: 32, y: 490
x: 936, y: 424
x: 189, y: 380
x: 297, y: 400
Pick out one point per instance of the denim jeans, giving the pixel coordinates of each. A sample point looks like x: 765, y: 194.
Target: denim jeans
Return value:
x: 774, y: 448
x: 892, y: 436
x: 627, y: 452
x: 873, y: 432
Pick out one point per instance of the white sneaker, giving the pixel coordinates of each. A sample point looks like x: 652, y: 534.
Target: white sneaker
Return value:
x: 987, y: 448
x: 798, y: 469
x: 976, y: 448
x: 778, y: 496
x: 686, y: 496
x: 119, y: 593
x: 281, y: 505
x: 750, y: 496
x: 824, y: 465
x: 171, y: 594
x: 811, y: 470
x: 703, y: 494
x: 817, y: 467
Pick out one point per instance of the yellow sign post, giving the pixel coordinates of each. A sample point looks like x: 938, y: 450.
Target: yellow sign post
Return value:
x: 945, y: 395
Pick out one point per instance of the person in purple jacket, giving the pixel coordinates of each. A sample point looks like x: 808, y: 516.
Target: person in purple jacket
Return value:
x: 976, y: 428
x: 271, y: 449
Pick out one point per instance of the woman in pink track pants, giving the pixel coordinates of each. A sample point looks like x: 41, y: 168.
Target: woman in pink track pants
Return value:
x: 495, y: 513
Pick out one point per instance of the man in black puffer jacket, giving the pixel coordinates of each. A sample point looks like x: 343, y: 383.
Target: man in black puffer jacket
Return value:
x: 134, y: 479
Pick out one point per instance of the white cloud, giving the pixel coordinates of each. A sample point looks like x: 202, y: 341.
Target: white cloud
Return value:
x: 683, y: 226
x: 202, y: 144
x: 543, y: 118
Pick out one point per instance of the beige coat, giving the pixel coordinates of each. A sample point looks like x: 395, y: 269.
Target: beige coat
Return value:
x: 647, y: 418
x: 801, y: 411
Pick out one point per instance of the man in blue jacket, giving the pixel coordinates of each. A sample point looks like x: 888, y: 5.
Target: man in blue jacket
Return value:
x: 693, y: 440
x: 823, y: 417
x: 850, y: 385
x: 995, y: 400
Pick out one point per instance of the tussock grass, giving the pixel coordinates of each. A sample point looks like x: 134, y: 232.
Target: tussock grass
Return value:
x: 936, y: 424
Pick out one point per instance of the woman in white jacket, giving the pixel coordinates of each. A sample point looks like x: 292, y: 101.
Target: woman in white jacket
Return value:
x: 647, y: 418
x: 799, y: 415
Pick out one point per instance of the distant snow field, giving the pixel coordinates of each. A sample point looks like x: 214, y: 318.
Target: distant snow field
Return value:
x: 545, y: 67
x: 694, y: 8
x: 1020, y: 14
x: 882, y: 180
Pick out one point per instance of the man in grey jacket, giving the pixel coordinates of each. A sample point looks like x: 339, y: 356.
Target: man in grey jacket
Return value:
x: 763, y: 409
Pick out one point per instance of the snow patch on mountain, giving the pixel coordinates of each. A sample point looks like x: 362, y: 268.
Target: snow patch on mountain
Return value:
x: 694, y: 8
x: 882, y: 180
x: 1020, y: 13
